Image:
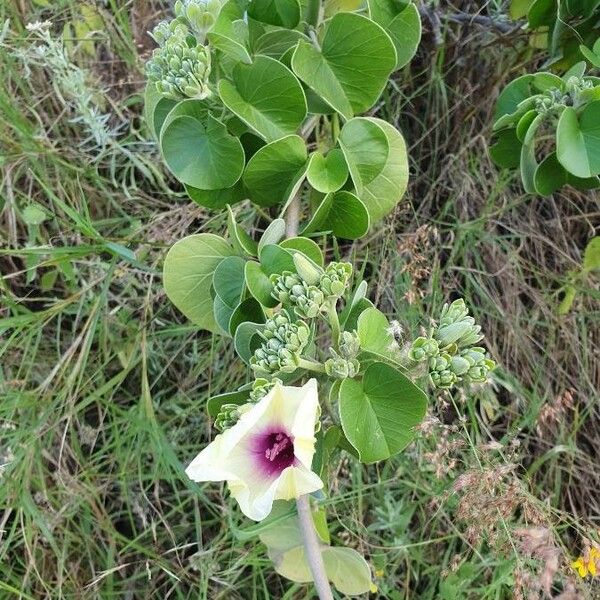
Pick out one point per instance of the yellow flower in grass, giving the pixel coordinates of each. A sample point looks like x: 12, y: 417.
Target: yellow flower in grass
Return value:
x: 588, y: 564
x: 267, y: 454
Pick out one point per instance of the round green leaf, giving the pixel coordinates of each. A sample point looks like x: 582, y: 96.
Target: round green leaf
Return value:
x: 549, y: 176
x: 216, y: 199
x: 266, y: 96
x: 188, y: 272
x: 222, y: 313
x: 248, y: 310
x: 259, y: 284
x: 306, y: 246
x: 373, y: 331
x: 379, y: 414
x: 327, y: 173
x: 524, y: 123
x: 202, y: 155
x: 402, y: 23
x: 355, y: 61
x: 578, y: 140
x: 228, y: 280
x: 376, y: 156
x: 246, y: 340
x: 341, y: 213
x: 273, y: 172
x: 275, y: 259
x: 512, y: 95
x: 272, y: 234
x: 507, y: 149
x: 277, y: 42
x: 283, y: 13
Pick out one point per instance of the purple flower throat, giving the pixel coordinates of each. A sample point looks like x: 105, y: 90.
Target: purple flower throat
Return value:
x: 274, y: 451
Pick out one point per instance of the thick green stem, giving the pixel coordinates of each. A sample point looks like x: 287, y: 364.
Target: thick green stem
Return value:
x: 311, y: 365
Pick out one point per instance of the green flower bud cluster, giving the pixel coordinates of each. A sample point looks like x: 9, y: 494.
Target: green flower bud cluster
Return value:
x: 450, y: 352
x: 349, y: 344
x: 283, y: 343
x: 308, y: 290
x: 229, y: 415
x: 291, y: 290
x: 336, y: 279
x: 340, y: 367
x: 179, y: 70
x: 557, y: 98
x: 261, y: 387
x: 201, y: 15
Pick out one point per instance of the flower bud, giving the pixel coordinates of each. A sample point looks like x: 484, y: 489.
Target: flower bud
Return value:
x: 456, y: 326
x: 229, y: 415
x: 336, y: 279
x: 308, y: 271
x: 339, y: 367
x: 479, y: 364
x: 349, y: 344
x: 261, y: 387
x: 200, y: 15
x: 423, y: 348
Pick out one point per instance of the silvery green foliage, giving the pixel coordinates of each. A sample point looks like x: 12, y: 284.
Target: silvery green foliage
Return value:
x: 228, y: 416
x: 340, y: 367
x: 449, y: 350
x: 179, y: 70
x: 283, y: 343
x: 335, y: 280
x: 201, y: 15
x: 306, y: 300
x: 261, y: 387
x: 349, y: 344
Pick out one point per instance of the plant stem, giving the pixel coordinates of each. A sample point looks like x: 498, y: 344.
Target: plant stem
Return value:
x: 334, y: 323
x: 312, y: 549
x: 311, y: 365
x: 292, y: 217
x: 307, y: 525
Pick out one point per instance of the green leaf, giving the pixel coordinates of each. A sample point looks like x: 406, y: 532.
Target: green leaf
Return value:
x: 512, y: 95
x: 549, y: 176
x: 248, y: 310
x: 376, y: 155
x: 188, y: 273
x: 246, y: 340
x: 202, y: 155
x: 259, y: 284
x: 222, y: 314
x: 570, y: 292
x: 353, y: 65
x: 327, y: 173
x: 374, y: 334
x: 379, y: 414
x: 306, y: 246
x: 214, y: 404
x: 578, y: 140
x: 341, y: 213
x: 266, y: 96
x: 272, y: 173
x: 274, y: 259
x: 524, y: 123
x: 156, y: 108
x: 230, y: 33
x: 272, y: 234
x: 359, y: 294
x: 529, y: 164
x: 283, y: 13
x: 228, y: 280
x: 276, y: 43
x: 216, y: 199
x: 402, y: 23
x: 591, y: 256
x: 241, y: 241
x: 507, y: 149
x: 542, y: 12
x: 519, y: 8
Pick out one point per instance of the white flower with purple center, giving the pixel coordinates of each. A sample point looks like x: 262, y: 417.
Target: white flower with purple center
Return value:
x: 267, y: 454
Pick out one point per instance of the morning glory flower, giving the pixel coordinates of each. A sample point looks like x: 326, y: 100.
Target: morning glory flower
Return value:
x: 267, y: 454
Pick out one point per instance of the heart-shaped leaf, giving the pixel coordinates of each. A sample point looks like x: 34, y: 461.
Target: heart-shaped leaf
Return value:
x: 378, y: 415
x: 549, y: 176
x: 273, y: 172
x: 266, y: 96
x: 578, y: 140
x: 506, y: 150
x: 341, y: 213
x: 283, y: 13
x: 327, y: 173
x: 376, y: 155
x: 355, y: 61
x: 275, y: 259
x: 277, y: 42
x: 217, y: 198
x: 188, y: 273
x: 402, y: 23
x: 374, y: 333
x: 202, y: 154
